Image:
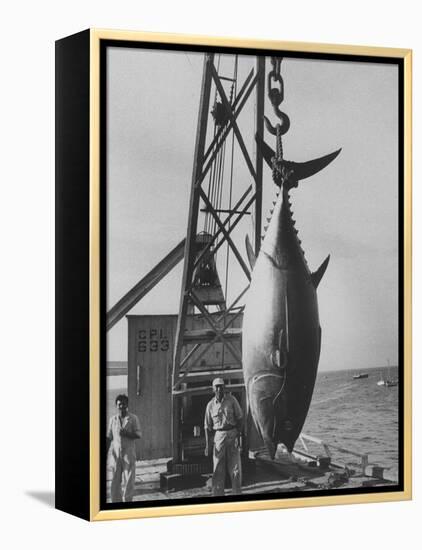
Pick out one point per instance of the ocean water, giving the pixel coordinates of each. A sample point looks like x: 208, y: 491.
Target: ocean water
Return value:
x: 357, y: 415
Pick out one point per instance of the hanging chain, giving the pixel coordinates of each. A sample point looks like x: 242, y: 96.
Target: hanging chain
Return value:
x: 276, y: 95
x: 275, y: 86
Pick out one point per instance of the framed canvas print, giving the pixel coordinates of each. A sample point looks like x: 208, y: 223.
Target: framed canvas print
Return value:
x: 233, y: 274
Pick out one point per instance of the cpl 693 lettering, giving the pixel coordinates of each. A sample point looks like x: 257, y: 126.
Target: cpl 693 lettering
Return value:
x: 154, y: 339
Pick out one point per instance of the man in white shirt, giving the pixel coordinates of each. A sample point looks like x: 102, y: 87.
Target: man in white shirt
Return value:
x: 122, y: 432
x: 224, y: 417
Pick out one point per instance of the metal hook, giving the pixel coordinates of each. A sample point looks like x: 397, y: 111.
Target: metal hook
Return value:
x: 279, y: 129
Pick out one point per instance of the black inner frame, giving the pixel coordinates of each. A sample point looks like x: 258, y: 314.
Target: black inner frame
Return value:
x: 104, y: 44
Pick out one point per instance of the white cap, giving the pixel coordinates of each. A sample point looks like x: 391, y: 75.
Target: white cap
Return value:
x: 217, y: 382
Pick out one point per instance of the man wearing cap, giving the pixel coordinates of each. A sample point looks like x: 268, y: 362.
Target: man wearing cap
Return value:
x: 224, y: 416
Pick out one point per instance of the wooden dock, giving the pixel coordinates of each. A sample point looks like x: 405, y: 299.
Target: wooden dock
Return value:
x: 286, y: 473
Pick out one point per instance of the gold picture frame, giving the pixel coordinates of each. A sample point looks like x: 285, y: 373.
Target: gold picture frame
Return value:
x: 80, y: 73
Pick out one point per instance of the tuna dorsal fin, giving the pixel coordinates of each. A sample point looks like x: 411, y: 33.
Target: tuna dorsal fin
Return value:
x: 317, y: 275
x: 250, y: 252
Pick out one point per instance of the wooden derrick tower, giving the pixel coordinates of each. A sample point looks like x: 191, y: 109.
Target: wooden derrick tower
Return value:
x: 206, y: 320
x: 205, y: 340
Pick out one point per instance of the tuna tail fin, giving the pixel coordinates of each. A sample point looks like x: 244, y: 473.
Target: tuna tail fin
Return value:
x: 301, y: 170
x: 317, y: 275
x: 250, y: 252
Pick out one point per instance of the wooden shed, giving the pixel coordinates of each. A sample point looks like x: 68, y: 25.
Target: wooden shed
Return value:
x: 150, y: 356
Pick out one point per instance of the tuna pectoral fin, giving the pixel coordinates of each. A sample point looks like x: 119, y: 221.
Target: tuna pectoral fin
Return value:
x: 279, y: 355
x: 301, y: 170
x: 319, y: 273
x: 250, y: 252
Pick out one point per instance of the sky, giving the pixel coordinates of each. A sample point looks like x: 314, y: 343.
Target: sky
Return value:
x: 348, y: 210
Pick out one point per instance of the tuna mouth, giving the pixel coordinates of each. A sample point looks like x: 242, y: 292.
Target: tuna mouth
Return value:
x: 266, y: 422
x: 264, y: 399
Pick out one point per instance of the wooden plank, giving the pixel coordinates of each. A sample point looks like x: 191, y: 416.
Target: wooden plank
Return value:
x: 301, y: 439
x: 336, y: 447
x: 207, y: 335
x: 208, y: 374
x: 206, y: 389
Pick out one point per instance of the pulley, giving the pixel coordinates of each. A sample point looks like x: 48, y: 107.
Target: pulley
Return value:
x: 219, y: 114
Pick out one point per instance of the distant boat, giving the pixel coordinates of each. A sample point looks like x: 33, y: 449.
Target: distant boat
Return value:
x: 387, y: 382
x: 360, y: 375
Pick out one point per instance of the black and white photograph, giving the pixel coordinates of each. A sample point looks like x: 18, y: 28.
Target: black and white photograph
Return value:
x: 253, y: 258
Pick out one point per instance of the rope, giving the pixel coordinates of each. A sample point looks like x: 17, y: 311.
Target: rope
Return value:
x: 210, y: 190
x: 217, y: 173
x: 233, y: 94
x: 217, y: 163
x: 211, y: 180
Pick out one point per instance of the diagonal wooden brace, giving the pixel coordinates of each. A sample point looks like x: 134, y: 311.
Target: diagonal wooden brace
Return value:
x: 225, y: 234
x: 236, y: 130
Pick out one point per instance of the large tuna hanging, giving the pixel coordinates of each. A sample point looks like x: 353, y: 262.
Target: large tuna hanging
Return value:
x: 281, y: 331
